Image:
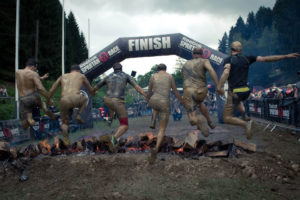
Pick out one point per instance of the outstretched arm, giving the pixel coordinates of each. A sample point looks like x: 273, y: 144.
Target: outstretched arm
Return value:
x: 39, y: 85
x: 176, y: 93
x: 211, y: 71
x: 45, y: 76
x: 276, y: 57
x: 54, y: 87
x: 87, y: 84
x: 99, y: 85
x: 223, y: 79
x: 140, y: 90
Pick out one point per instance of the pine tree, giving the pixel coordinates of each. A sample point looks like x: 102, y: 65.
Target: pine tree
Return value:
x: 264, y: 18
x: 223, y: 44
x: 250, y: 26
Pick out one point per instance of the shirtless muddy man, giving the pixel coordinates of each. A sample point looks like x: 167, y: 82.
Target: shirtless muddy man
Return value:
x: 71, y: 97
x: 28, y: 82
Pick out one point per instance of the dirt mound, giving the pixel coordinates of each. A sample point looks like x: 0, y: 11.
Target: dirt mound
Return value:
x: 129, y: 176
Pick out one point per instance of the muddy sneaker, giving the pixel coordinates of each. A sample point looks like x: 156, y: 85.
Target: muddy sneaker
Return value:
x: 211, y: 125
x: 152, y: 158
x: 79, y: 120
x: 113, y: 143
x: 201, y: 125
x: 249, y: 129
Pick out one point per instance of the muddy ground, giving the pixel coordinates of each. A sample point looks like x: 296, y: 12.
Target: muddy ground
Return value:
x: 270, y: 173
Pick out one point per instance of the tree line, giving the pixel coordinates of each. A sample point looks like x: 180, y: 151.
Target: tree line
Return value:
x: 267, y: 32
x: 41, y: 22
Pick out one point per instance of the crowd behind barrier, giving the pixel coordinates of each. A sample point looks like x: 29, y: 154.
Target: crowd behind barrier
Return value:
x: 274, y: 92
x: 11, y: 130
x: 275, y: 104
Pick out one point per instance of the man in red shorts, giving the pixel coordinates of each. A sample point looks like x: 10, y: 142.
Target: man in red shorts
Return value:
x: 114, y: 99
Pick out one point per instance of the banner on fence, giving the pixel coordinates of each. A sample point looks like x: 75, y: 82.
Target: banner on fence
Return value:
x: 278, y: 110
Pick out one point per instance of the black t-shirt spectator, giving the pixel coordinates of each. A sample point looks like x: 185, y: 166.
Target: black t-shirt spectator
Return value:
x: 238, y: 76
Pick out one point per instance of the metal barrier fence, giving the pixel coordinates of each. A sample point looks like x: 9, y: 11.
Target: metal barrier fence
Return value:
x: 274, y: 110
x: 12, y: 131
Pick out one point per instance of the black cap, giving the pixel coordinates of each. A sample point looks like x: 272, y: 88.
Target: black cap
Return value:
x: 298, y: 72
x: 31, y: 62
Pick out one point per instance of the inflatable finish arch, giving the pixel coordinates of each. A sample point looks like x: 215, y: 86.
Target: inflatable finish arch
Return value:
x: 157, y: 45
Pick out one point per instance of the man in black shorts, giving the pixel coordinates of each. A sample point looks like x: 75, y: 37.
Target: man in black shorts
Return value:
x: 236, y: 69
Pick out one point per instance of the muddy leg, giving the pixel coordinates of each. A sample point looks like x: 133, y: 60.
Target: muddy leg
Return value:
x: 153, y: 119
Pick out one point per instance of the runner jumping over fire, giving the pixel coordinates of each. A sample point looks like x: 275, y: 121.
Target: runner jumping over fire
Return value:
x: 194, y: 89
x: 116, y: 84
x: 71, y: 97
x: 236, y: 69
x: 161, y: 84
x: 28, y: 81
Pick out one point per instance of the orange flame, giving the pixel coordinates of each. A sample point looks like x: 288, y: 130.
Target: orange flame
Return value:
x: 131, y: 148
x: 179, y: 150
x: 56, y: 140
x: 150, y: 135
x: 45, y: 144
x: 129, y: 139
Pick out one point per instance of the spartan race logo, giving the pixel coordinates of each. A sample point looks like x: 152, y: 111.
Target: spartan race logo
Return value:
x: 103, y: 56
x: 189, y: 45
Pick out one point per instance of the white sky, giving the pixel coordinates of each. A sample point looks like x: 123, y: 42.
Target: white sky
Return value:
x: 202, y: 20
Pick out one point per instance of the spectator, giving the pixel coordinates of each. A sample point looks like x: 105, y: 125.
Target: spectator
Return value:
x: 289, y: 91
x: 3, y: 91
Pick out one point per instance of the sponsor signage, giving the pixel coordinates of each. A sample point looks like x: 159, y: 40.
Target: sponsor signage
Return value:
x: 99, y: 59
x: 149, y: 43
x: 189, y: 45
x: 171, y: 44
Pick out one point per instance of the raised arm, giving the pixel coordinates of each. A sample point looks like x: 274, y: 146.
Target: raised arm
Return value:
x: 54, y: 87
x: 211, y: 71
x: 87, y: 84
x: 223, y: 79
x: 45, y: 76
x: 39, y: 85
x: 176, y: 93
x: 276, y: 57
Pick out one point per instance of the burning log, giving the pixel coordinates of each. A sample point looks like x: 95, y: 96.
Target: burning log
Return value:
x: 191, y: 140
x: 23, y: 151
x: 13, y: 152
x: 217, y: 154
x: 214, y: 143
x: 45, y: 148
x: 177, y: 144
x: 245, y: 145
x: 79, y: 146
x: 33, y: 150
x: 166, y: 144
x: 4, y: 150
